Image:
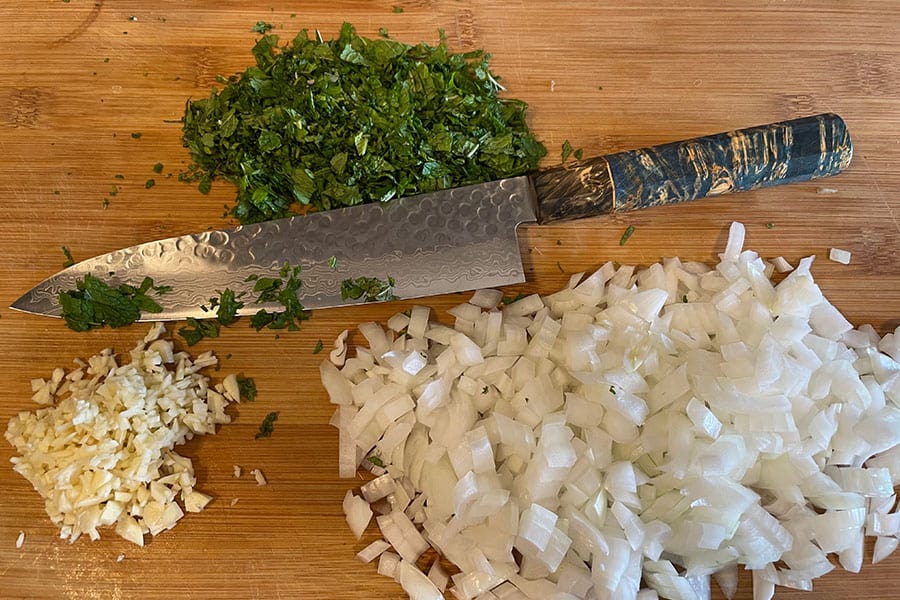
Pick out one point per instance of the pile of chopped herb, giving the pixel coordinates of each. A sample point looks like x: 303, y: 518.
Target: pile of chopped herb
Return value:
x: 329, y: 124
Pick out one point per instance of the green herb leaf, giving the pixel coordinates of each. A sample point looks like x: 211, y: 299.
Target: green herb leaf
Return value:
x: 284, y: 292
x: 376, y: 461
x: 136, y: 135
x: 150, y: 183
x: 197, y: 329
x: 158, y: 167
x: 684, y: 299
x: 227, y: 307
x: 370, y: 289
x: 332, y: 262
x: 566, y: 151
x: 516, y: 298
x: 398, y: 9
x: 94, y: 303
x: 325, y: 124
x: 69, y: 260
x: 247, y: 388
x: 770, y: 225
x: 262, y: 27
x: 318, y: 348
x: 627, y: 234
x: 267, y: 426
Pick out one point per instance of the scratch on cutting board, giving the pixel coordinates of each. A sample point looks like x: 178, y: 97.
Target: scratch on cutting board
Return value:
x: 881, y: 195
x: 81, y: 27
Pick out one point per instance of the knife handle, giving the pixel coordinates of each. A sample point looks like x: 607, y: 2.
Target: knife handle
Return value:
x: 735, y: 161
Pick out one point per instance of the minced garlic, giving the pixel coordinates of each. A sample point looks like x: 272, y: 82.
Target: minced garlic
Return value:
x: 100, y: 449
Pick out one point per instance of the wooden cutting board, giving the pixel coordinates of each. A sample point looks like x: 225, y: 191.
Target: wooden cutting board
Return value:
x: 79, y: 77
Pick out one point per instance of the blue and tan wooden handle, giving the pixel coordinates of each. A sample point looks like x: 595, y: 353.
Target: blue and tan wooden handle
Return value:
x: 735, y: 161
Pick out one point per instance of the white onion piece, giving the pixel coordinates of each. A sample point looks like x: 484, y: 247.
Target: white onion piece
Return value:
x: 357, y: 512
x: 389, y: 565
x: 663, y: 426
x: 416, y: 584
x: 372, y: 551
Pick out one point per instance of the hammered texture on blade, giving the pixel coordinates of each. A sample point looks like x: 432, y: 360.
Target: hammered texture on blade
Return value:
x: 448, y: 241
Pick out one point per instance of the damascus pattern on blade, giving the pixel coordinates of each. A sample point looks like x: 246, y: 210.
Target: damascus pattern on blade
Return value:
x: 442, y: 242
x: 736, y: 161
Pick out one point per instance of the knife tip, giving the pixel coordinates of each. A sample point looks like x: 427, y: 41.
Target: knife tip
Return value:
x: 30, y: 305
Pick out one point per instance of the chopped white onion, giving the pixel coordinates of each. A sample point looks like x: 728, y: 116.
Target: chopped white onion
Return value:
x: 357, y: 512
x: 372, y: 551
x: 839, y: 256
x: 661, y: 427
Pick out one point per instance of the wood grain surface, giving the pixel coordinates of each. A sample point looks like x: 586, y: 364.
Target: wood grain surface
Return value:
x: 77, y: 77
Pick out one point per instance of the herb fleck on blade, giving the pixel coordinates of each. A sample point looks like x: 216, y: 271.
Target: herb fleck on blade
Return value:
x: 94, y: 303
x: 370, y: 289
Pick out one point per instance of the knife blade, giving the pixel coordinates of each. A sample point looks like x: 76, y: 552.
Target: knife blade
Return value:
x: 456, y: 239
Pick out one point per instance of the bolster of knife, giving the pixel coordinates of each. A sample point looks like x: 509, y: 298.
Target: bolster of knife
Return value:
x: 735, y: 161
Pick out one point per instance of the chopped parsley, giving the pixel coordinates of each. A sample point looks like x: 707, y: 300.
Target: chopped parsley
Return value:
x: 332, y: 262
x: 197, y: 329
x: 262, y: 27
x: 516, y: 298
x: 318, y: 347
x: 370, y: 289
x: 612, y: 390
x: 376, y: 461
x: 282, y: 290
x: 136, y: 135
x: 150, y: 183
x: 94, y: 303
x: 684, y: 299
x: 158, y: 168
x: 567, y: 151
x: 69, y: 260
x: 316, y: 125
x: 267, y: 426
x: 770, y: 225
x: 397, y: 9
x: 227, y: 307
x: 247, y: 388
x: 628, y: 233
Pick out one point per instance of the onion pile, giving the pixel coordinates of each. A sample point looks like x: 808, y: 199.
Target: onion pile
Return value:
x: 637, y: 434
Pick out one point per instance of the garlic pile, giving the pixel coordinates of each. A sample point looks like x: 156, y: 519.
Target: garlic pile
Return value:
x: 101, y: 450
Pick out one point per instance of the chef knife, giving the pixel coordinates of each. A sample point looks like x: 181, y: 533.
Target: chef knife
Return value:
x: 457, y: 239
